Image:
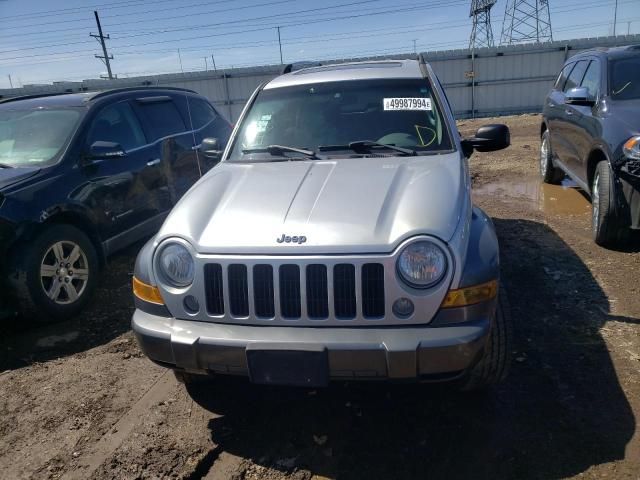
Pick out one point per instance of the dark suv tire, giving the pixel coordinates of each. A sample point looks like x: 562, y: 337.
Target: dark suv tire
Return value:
x: 608, y: 230
x: 548, y: 172
x: 55, y: 274
x: 494, y: 365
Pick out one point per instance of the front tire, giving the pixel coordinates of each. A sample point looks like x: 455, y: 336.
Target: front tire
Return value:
x: 548, y: 172
x: 494, y: 365
x: 608, y: 230
x: 55, y: 274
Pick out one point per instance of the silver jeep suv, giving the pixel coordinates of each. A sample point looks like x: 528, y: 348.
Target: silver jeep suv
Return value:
x: 335, y: 240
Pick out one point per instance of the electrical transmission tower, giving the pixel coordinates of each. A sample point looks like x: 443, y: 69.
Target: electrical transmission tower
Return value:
x: 105, y: 57
x: 481, y: 33
x: 526, y: 21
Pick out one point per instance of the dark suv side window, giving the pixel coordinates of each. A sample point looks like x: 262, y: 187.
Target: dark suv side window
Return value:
x: 575, y: 77
x: 201, y: 112
x: 162, y: 117
x: 117, y: 123
x: 591, y: 79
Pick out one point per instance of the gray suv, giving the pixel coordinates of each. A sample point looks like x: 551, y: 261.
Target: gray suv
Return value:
x: 591, y: 132
x: 335, y: 240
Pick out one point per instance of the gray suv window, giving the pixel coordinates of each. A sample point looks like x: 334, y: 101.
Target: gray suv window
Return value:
x: 563, y: 76
x: 591, y: 79
x: 575, y: 77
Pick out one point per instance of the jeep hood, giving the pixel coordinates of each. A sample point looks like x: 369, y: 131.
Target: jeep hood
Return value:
x: 11, y: 176
x: 349, y: 205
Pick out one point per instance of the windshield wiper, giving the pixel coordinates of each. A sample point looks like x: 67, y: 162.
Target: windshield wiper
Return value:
x: 280, y: 150
x: 6, y: 165
x: 366, y: 145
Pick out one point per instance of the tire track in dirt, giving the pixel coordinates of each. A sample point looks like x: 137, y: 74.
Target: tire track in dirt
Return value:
x: 110, y: 442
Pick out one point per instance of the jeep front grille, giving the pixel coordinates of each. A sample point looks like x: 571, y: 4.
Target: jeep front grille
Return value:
x: 292, y: 291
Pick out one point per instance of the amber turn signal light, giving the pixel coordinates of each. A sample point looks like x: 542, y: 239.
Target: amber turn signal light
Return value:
x: 471, y: 295
x: 145, y: 292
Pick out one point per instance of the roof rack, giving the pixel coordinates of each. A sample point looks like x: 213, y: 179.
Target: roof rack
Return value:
x: 29, y: 97
x: 104, y: 93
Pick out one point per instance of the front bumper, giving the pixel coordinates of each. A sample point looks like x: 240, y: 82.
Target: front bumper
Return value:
x: 411, y: 352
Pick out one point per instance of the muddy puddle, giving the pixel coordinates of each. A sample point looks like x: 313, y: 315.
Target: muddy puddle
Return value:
x: 566, y: 198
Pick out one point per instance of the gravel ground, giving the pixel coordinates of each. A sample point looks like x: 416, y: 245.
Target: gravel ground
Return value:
x: 80, y: 401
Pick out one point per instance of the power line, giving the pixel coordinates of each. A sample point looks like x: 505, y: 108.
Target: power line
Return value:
x: 342, y: 17
x: 377, y: 12
x: 103, y: 6
x: 156, y: 32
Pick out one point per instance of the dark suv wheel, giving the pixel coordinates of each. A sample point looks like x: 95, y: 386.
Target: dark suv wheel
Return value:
x: 55, y: 274
x: 548, y: 172
x: 606, y: 226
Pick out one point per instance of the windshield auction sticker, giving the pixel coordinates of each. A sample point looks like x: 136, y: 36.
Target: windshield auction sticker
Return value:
x: 406, y: 103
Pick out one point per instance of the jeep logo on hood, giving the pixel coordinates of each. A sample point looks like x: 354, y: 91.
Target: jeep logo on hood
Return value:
x: 295, y: 239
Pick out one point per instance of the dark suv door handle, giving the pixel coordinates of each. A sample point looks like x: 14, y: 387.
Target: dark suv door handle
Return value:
x: 153, y: 162
x: 568, y: 112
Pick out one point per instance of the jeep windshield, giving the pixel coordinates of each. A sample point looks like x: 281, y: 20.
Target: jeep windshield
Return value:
x: 330, y: 118
x: 624, y: 74
x: 35, y: 137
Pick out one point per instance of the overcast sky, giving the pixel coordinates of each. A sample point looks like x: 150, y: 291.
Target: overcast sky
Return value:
x: 47, y: 40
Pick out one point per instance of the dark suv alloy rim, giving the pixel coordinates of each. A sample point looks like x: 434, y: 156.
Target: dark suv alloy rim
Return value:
x: 64, y: 272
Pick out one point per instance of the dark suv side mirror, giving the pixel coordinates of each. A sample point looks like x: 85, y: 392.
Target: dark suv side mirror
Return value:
x: 488, y: 138
x: 102, y: 150
x: 210, y: 148
x: 579, y: 96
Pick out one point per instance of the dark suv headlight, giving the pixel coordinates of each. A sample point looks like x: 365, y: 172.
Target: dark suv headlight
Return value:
x: 422, y: 264
x: 631, y: 148
x: 175, y: 265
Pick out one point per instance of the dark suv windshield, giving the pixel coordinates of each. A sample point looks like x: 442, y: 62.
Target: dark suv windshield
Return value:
x: 625, y: 78
x: 35, y: 137
x: 400, y: 112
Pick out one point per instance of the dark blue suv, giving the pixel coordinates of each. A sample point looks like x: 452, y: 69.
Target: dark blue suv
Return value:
x: 591, y: 132
x: 83, y: 175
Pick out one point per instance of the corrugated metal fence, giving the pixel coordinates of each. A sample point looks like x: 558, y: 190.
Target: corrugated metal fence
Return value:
x: 494, y: 81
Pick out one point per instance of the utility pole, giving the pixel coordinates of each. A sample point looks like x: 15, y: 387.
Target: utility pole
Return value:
x: 615, y: 18
x: 280, y: 43
x: 414, y: 46
x: 10, y: 82
x: 180, y: 58
x: 105, y: 56
x: 206, y: 66
x: 213, y: 60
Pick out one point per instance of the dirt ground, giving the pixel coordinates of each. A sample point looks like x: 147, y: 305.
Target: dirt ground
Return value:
x: 78, y: 399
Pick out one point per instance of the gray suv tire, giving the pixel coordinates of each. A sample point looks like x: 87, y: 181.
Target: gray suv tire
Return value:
x: 548, y: 172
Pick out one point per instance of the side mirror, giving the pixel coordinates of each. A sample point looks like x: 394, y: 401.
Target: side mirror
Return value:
x: 210, y: 148
x: 488, y: 138
x: 102, y: 150
x: 579, y: 96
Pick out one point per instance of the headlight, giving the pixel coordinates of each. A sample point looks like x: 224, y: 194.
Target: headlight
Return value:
x: 422, y: 264
x: 176, y: 265
x: 631, y: 148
